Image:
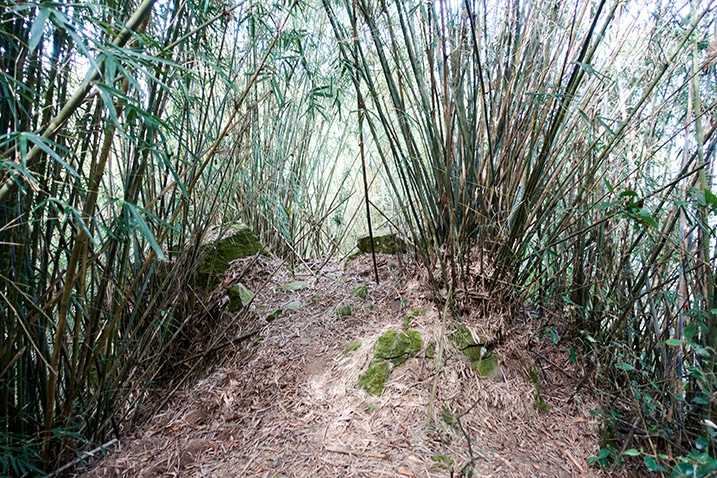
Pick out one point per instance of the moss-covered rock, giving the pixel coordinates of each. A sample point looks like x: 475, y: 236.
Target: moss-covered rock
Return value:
x: 239, y: 296
x: 463, y: 337
x: 239, y: 241
x: 374, y: 379
x: 397, y: 347
x: 386, y: 244
x: 361, y: 291
x: 488, y: 367
x: 475, y: 349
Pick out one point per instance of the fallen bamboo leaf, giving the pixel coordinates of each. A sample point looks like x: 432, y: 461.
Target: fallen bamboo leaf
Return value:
x: 367, y: 454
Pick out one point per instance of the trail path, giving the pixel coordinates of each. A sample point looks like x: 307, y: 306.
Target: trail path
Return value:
x: 285, y: 403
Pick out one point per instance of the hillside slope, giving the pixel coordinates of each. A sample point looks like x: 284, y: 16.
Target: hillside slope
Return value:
x: 285, y: 402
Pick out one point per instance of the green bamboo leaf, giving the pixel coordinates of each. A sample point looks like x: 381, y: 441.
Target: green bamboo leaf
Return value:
x: 628, y: 193
x: 647, y: 218
x: 50, y: 148
x: 624, y: 366
x: 81, y: 222
x: 38, y: 27
x: 674, y: 342
x: 710, y: 198
x: 144, y: 230
x: 104, y: 91
x: 632, y: 452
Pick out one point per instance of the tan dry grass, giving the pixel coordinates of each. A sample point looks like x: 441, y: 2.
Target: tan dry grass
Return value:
x: 288, y: 405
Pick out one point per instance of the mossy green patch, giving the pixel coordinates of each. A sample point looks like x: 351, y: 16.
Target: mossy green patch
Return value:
x: 431, y: 349
x: 397, y: 347
x: 488, y: 367
x: 342, y: 310
x: 361, y: 291
x: 239, y: 296
x: 442, y: 461
x: 476, y: 350
x: 408, y: 318
x: 463, y: 337
x: 447, y: 417
x: 354, y: 346
x: 386, y: 244
x: 274, y: 314
x: 239, y: 241
x: 374, y: 379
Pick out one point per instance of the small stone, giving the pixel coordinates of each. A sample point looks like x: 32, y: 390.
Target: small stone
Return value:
x: 239, y: 296
x: 292, y: 306
x: 488, y: 367
x: 293, y: 286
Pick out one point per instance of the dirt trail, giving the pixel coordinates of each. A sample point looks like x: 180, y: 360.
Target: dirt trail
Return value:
x: 286, y: 404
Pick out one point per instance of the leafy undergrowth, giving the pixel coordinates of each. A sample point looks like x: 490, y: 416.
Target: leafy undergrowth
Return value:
x: 285, y: 401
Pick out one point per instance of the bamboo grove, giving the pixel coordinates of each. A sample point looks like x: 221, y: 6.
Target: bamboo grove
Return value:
x: 562, y: 149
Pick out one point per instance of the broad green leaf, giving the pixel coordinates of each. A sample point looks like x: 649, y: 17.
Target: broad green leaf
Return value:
x: 689, y: 331
x: 624, y: 366
x: 573, y: 356
x: 632, y: 452
x: 646, y: 216
x: 700, y: 400
x: 710, y: 198
x: 652, y: 465
x: 674, y: 342
x: 628, y: 193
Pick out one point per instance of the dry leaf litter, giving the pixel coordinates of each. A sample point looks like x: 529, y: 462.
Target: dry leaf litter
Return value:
x: 284, y: 402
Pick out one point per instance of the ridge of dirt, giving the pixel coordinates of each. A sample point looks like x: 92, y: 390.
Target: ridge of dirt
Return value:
x: 286, y: 403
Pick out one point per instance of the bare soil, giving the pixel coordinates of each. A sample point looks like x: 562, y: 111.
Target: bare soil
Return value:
x: 284, y: 402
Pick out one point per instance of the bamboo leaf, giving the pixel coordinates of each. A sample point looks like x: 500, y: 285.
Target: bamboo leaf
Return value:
x: 144, y: 229
x: 38, y: 27
x: 51, y: 148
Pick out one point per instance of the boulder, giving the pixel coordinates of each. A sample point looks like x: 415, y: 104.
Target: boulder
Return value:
x: 397, y: 347
x: 385, y: 244
x: 238, y: 242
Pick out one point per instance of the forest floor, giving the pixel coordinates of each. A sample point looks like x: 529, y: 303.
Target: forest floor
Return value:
x: 280, y: 397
